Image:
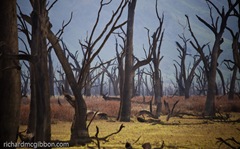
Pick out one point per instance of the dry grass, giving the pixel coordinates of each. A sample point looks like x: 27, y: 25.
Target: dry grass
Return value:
x: 186, y: 132
x: 193, y: 105
x: 181, y: 133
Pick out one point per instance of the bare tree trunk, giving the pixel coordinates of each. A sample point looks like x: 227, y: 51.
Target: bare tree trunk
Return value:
x: 121, y: 74
x: 157, y: 93
x: 232, y: 83
x: 32, y: 117
x: 102, y: 83
x: 87, y: 89
x: 51, y: 73
x: 215, y: 52
x: 187, y: 90
x: 125, y: 111
x: 40, y: 29
x: 222, y: 81
x: 211, y: 92
x: 10, y: 84
x: 66, y: 84
x: 79, y: 132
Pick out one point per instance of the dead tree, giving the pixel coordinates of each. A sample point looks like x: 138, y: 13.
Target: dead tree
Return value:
x: 115, y: 80
x: 39, y: 116
x: 232, y: 86
x: 148, y: 90
x: 120, y: 62
x: 215, y: 51
x: 130, y: 67
x: 120, y: 55
x: 79, y: 131
x: 105, y: 70
x: 125, y: 110
x: 40, y: 103
x: 201, y: 81
x: 10, y: 84
x: 155, y: 46
x: 51, y: 72
x: 112, y: 74
x: 236, y: 54
x: 40, y: 27
x: 184, y: 76
x: 235, y: 36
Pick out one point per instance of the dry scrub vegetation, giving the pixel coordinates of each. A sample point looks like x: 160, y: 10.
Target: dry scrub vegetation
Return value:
x: 186, y: 131
x: 194, y: 105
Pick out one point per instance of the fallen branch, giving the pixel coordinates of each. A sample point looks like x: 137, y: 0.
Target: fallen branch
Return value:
x: 106, y: 137
x: 145, y: 112
x: 92, y: 119
x: 96, y: 135
x: 170, y: 112
x: 221, y: 141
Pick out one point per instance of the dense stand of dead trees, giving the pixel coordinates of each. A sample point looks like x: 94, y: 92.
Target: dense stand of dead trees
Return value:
x: 79, y: 77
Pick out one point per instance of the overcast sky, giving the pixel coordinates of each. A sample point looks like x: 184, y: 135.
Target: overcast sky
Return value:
x: 85, y: 12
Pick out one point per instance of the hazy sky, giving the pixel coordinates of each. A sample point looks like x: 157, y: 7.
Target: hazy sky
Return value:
x: 85, y: 12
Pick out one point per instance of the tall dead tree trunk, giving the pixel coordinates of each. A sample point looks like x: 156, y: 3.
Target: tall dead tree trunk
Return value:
x: 215, y: 52
x: 210, y: 101
x: 10, y: 84
x: 222, y: 82
x: 130, y: 67
x: 125, y: 111
x: 155, y: 46
x: 51, y: 72
x: 40, y: 27
x: 236, y: 54
x: 79, y: 130
x: 121, y: 72
x: 232, y: 83
x: 87, y: 89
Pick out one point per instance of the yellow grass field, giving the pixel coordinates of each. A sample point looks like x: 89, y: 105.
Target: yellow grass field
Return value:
x: 179, y: 132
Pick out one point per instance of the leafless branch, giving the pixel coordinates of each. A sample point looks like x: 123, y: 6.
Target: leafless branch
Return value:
x: 52, y: 5
x: 92, y: 119
x: 60, y: 31
x: 106, y: 137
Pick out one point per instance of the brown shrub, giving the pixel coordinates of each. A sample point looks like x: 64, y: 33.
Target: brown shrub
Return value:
x: 194, y: 104
x: 99, y: 104
x: 62, y: 113
x: 225, y: 105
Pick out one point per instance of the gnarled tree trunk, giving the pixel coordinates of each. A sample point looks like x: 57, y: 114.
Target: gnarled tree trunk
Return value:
x: 42, y: 131
x: 10, y: 84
